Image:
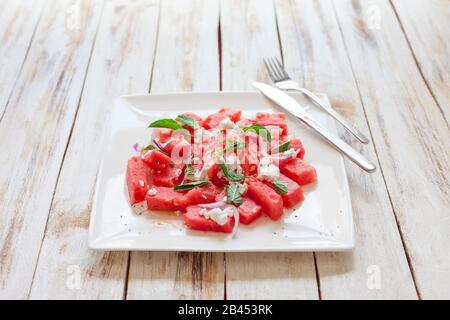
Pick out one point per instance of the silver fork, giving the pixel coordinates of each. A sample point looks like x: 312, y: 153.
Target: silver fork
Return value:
x: 284, y: 82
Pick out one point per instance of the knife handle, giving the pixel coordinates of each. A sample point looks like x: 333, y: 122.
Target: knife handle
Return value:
x: 339, y: 144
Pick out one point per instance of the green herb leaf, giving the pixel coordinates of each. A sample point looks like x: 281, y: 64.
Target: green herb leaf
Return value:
x: 231, y: 175
x: 233, y: 194
x: 282, y: 147
x: 260, y: 130
x: 189, y: 170
x: 280, y: 187
x: 190, y: 122
x: 149, y: 147
x: 170, y: 124
x: 234, y: 145
x: 190, y: 185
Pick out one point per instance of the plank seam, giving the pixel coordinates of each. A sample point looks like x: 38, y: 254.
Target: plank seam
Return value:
x: 317, y: 276
x: 67, y: 147
x: 316, y: 270
x: 127, y: 275
x: 156, y: 46
x: 405, y: 249
x: 23, y: 63
x: 427, y: 84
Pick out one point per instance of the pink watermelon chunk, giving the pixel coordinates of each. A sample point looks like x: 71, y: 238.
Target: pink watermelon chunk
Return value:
x: 193, y: 219
x: 164, y: 198
x: 249, y: 211
x: 297, y: 144
x: 233, y: 114
x: 213, y: 120
x: 156, y: 160
x: 294, y: 194
x: 214, y: 175
x: 270, y: 201
x: 299, y: 171
x: 272, y: 119
x: 137, y: 179
x: 169, y: 177
x: 203, y: 194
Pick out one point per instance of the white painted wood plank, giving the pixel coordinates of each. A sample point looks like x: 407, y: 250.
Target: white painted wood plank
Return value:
x: 121, y: 63
x: 314, y: 53
x: 410, y: 135
x: 18, y: 20
x: 249, y: 34
x: 35, y: 130
x: 427, y: 27
x: 186, y: 59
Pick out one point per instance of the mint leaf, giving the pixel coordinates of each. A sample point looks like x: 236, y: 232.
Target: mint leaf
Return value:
x: 260, y: 130
x: 280, y: 187
x: 190, y: 122
x: 168, y: 123
x: 190, y: 185
x: 189, y: 170
x: 149, y: 147
x: 232, y: 176
x: 282, y: 147
x: 234, y: 145
x: 233, y: 194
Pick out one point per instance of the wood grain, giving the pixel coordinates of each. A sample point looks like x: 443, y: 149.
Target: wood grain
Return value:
x: 35, y: 133
x: 18, y: 20
x: 186, y: 59
x: 121, y: 63
x: 427, y: 28
x: 249, y: 34
x: 411, y: 138
x: 314, y: 53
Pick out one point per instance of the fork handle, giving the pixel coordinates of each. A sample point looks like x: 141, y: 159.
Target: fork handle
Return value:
x: 358, y: 134
x: 339, y: 144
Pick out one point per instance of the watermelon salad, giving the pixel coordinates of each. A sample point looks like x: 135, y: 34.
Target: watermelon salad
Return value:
x: 219, y: 171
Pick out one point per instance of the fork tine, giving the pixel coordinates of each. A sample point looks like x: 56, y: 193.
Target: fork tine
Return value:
x: 272, y: 70
x: 275, y: 68
x: 281, y: 67
x: 271, y: 75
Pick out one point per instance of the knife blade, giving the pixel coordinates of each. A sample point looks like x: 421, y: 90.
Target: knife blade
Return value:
x: 294, y: 108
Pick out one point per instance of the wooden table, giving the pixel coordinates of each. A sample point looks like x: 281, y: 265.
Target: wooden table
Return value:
x: 384, y: 64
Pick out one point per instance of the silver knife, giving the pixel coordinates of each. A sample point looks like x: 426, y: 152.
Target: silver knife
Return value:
x: 293, y: 107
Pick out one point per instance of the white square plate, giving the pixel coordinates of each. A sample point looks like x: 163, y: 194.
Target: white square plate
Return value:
x: 322, y: 222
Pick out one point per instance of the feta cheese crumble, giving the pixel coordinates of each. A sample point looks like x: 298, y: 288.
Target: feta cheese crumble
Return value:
x: 140, y: 207
x: 268, y: 171
x: 218, y: 215
x: 151, y: 191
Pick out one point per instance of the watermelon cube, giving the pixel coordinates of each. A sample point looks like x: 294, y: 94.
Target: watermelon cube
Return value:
x: 169, y: 177
x: 249, y: 211
x: 272, y: 119
x: 163, y: 198
x: 213, y: 120
x: 161, y: 135
x: 215, y: 175
x: 297, y: 144
x: 156, y: 160
x: 294, y: 194
x: 233, y: 114
x: 203, y: 194
x: 299, y: 171
x: 137, y: 179
x: 193, y: 219
x: 270, y: 201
